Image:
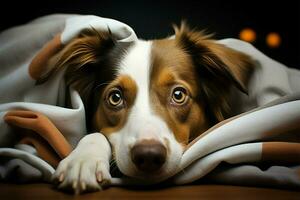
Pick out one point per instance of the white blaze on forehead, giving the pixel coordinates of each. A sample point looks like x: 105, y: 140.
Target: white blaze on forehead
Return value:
x: 136, y: 64
x: 142, y: 122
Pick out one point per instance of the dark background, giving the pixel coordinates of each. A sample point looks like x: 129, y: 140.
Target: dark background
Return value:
x: 153, y: 19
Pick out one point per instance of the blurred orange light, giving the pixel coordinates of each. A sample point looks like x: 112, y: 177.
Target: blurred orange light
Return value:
x: 248, y: 35
x: 273, y: 40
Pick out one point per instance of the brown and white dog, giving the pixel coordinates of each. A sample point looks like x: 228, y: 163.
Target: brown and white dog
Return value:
x: 145, y: 101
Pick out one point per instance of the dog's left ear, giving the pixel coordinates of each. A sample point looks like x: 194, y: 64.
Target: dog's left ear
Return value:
x: 218, y: 66
x: 88, y: 63
x: 214, y: 58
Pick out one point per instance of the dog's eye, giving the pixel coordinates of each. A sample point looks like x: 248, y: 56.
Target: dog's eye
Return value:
x: 179, y: 95
x: 115, y: 98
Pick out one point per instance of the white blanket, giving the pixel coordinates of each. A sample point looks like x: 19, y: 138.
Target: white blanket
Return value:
x: 260, y: 147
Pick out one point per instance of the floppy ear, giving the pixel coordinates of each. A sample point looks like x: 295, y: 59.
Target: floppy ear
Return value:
x: 218, y: 67
x: 88, y: 62
x: 82, y: 59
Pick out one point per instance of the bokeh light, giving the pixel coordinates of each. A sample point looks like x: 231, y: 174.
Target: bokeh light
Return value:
x: 273, y: 40
x: 248, y: 35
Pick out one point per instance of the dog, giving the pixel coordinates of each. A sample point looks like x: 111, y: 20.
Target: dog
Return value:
x: 145, y: 101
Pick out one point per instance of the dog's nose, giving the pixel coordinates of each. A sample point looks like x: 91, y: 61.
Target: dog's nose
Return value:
x: 148, y: 155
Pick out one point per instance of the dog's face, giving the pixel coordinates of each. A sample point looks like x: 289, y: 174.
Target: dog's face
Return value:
x: 149, y: 109
x: 150, y: 98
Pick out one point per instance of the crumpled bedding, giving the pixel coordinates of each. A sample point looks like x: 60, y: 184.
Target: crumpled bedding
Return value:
x: 260, y: 146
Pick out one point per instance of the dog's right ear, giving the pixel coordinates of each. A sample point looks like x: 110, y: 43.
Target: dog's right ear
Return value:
x: 84, y: 59
x: 218, y: 67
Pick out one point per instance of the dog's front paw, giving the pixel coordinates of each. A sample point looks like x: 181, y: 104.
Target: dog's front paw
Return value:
x: 82, y: 174
x: 87, y: 167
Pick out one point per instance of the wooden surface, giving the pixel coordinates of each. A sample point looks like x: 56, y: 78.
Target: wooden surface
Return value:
x: 45, y: 192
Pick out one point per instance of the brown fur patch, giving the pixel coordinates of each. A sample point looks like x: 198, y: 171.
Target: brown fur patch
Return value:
x: 170, y: 67
x: 89, y: 62
x: 218, y: 67
x: 208, y: 71
x: 108, y: 120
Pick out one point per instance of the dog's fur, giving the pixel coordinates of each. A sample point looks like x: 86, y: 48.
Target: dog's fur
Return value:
x: 145, y: 75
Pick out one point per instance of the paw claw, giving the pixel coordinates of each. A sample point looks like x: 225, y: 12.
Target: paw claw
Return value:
x: 61, y: 177
x: 99, y: 177
x: 74, y: 185
x: 83, y: 186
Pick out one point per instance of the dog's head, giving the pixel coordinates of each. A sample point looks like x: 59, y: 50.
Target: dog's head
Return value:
x: 150, y: 98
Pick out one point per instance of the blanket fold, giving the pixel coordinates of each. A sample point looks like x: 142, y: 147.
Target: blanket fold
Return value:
x: 260, y: 146
x: 41, y: 125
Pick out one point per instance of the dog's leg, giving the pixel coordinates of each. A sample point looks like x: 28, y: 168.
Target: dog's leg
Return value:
x: 87, y: 167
